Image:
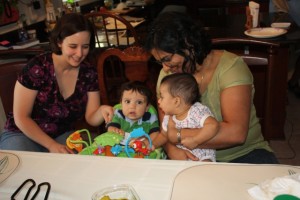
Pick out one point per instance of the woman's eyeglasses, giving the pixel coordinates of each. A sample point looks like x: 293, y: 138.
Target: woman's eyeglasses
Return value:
x: 167, y: 61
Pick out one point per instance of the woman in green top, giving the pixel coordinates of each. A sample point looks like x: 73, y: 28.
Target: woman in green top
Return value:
x: 226, y: 87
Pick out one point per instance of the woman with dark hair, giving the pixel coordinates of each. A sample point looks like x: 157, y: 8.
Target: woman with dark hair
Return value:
x: 225, y: 84
x: 55, y: 90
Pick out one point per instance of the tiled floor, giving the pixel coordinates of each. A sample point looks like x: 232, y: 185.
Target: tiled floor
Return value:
x: 288, y: 150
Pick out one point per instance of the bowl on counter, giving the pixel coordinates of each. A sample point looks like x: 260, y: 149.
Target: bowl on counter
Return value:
x: 284, y: 25
x: 116, y: 192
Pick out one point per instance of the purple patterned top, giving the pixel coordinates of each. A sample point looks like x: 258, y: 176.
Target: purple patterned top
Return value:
x: 54, y: 114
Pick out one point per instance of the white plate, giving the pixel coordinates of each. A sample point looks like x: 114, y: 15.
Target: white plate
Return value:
x: 265, y: 32
x: 8, y: 164
x: 230, y: 181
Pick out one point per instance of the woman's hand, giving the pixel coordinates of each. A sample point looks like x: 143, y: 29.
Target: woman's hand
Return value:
x: 189, y: 142
x: 107, y: 113
x: 175, y: 153
x: 59, y: 148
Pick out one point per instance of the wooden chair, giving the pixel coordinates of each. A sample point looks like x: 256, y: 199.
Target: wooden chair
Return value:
x: 135, y: 62
x: 8, y: 77
x: 115, y: 31
x: 112, y: 30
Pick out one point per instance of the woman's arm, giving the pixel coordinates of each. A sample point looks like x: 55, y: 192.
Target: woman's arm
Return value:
x: 159, y: 140
x: 174, y: 152
x: 161, y: 114
x: 235, y: 108
x: 96, y: 114
x: 209, y: 130
x: 23, y: 104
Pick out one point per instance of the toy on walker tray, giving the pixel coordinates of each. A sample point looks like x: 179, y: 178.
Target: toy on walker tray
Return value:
x: 110, y: 144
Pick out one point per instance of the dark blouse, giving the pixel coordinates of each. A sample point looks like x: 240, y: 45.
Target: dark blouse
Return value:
x: 54, y: 114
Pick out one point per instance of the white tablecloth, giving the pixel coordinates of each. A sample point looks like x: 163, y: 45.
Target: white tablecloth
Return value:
x: 77, y: 177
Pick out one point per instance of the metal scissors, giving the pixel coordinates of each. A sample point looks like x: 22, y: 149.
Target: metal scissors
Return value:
x: 33, y: 184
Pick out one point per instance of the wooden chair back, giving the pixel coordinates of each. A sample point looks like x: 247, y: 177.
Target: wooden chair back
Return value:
x: 112, y: 30
x: 8, y: 78
x: 134, y: 62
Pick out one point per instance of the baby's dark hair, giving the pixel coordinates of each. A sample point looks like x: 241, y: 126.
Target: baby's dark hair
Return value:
x: 137, y: 86
x: 183, y: 85
x: 70, y: 24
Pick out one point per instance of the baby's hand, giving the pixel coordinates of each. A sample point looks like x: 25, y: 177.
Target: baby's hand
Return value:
x: 152, y: 148
x: 189, y: 143
x: 116, y: 130
x: 147, y: 144
x: 107, y: 113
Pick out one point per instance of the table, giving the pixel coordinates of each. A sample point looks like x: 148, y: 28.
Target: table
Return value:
x: 75, y: 177
x: 122, y: 40
x: 224, y: 181
x: 134, y: 21
x: 123, y: 11
x: 78, y: 177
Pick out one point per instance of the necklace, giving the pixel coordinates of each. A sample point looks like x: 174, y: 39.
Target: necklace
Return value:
x: 201, y: 80
x: 206, y: 64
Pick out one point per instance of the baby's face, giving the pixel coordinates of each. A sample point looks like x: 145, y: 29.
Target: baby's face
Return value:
x: 166, y: 101
x: 134, y: 105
